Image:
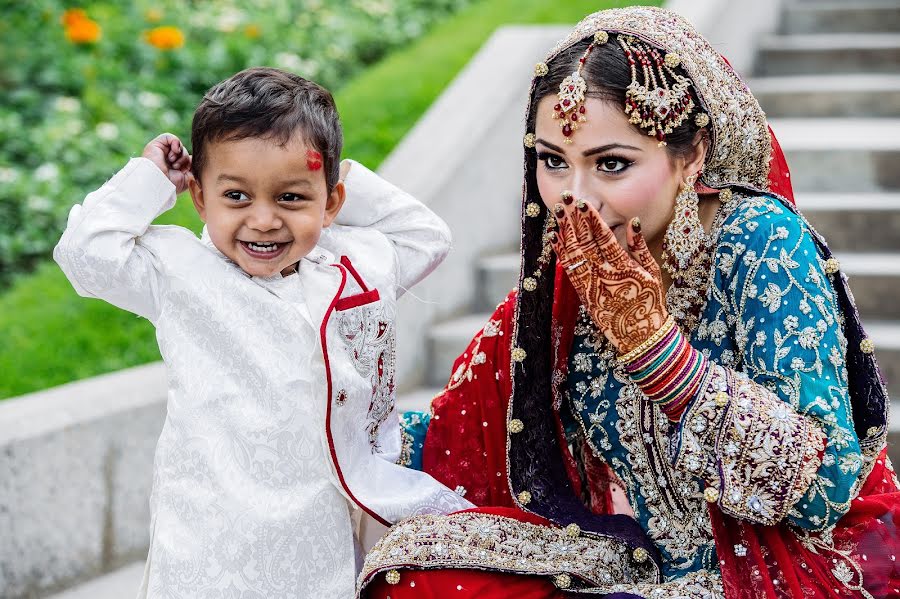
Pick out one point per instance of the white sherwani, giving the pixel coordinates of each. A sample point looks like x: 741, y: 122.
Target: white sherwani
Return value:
x: 280, y: 404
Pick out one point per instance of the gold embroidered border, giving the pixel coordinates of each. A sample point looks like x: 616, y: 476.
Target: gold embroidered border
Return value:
x: 749, y: 445
x: 500, y: 544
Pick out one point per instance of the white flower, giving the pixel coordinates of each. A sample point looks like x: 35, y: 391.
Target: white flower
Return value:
x: 38, y: 204
x: 8, y: 175
x: 66, y: 104
x: 292, y: 62
x: 781, y: 233
x: 791, y: 322
x: 229, y: 20
x: 46, y: 172
x: 107, y: 131
x: 149, y: 99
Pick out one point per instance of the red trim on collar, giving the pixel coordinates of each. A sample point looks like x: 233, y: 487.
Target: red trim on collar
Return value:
x: 345, y: 261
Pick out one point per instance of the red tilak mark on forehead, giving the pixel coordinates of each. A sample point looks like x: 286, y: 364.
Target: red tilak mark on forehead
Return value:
x: 313, y: 160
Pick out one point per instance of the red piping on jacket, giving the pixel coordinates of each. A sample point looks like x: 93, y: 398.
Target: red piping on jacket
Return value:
x: 322, y: 333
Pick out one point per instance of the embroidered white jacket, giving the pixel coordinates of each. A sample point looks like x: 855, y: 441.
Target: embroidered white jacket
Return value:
x: 280, y: 403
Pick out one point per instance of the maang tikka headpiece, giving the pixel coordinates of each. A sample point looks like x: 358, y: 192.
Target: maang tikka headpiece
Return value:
x: 570, y: 109
x: 657, y: 105
x: 662, y: 101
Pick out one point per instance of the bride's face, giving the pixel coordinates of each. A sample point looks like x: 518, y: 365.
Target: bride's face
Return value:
x: 622, y: 172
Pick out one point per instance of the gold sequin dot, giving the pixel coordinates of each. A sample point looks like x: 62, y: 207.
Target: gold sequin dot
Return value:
x: 573, y: 530
x: 529, y: 140
x: 540, y: 69
x: 532, y: 210
x: 672, y: 60
x: 516, y: 426
x: 640, y: 555
x: 702, y: 120
x: 725, y: 195
x: 601, y: 37
x: 832, y: 265
x: 524, y: 497
x: 518, y: 354
x: 562, y: 581
x: 711, y: 494
x: 529, y: 284
x: 721, y: 398
x: 392, y: 577
x: 867, y: 346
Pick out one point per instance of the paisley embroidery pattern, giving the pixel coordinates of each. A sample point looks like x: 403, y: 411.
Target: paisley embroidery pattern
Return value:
x: 371, y: 345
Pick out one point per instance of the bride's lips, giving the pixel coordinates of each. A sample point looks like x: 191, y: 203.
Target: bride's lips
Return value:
x: 264, y: 254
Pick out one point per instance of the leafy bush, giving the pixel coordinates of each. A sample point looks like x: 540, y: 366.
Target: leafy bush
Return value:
x: 85, y: 88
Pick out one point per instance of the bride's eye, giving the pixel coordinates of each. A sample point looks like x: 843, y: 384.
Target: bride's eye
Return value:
x: 612, y: 164
x: 551, y: 161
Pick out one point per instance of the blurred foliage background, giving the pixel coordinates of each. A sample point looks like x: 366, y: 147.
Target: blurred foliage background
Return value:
x: 86, y: 86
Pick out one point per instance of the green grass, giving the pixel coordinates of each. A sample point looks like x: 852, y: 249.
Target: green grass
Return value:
x: 51, y: 336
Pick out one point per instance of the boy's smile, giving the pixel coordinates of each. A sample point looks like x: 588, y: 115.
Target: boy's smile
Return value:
x: 264, y: 207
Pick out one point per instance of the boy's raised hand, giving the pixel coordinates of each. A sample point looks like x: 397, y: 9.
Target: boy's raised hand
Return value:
x: 167, y: 152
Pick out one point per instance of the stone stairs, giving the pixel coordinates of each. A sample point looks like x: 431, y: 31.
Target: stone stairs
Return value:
x: 829, y: 80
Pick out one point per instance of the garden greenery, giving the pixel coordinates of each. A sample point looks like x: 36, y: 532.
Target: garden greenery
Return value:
x: 85, y: 88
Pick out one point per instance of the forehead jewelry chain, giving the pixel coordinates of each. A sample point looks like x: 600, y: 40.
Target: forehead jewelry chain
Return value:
x: 570, y: 110
x: 662, y: 101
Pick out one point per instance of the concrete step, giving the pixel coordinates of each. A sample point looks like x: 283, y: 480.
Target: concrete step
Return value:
x: 841, y: 155
x: 886, y: 336
x: 805, y: 96
x: 841, y: 17
x: 893, y: 440
x: 854, y: 222
x: 417, y: 399
x: 828, y: 53
x: 123, y: 582
x: 496, y: 276
x: 447, y: 341
x: 875, y: 283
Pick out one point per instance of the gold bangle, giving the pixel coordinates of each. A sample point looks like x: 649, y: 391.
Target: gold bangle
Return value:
x: 651, y: 341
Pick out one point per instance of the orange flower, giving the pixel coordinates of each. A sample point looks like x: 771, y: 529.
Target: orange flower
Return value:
x: 83, y: 31
x: 165, y: 37
x: 72, y: 16
x: 252, y: 31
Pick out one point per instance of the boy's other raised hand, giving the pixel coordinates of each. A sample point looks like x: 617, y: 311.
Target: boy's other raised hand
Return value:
x: 167, y: 152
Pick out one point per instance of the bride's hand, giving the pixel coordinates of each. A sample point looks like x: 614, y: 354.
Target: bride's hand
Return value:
x: 621, y: 290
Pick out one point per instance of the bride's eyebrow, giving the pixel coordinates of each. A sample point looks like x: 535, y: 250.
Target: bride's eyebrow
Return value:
x: 553, y: 147
x: 608, y: 147
x: 592, y: 151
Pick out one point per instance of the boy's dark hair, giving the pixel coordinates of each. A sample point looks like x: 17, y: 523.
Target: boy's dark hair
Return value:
x: 273, y: 104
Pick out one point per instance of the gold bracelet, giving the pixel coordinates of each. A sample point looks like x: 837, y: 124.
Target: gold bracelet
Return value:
x: 649, y: 343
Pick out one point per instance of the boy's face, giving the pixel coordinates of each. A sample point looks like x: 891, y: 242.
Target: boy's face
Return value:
x: 264, y: 205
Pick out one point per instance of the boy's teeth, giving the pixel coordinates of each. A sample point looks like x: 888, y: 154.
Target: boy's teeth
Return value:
x: 263, y: 247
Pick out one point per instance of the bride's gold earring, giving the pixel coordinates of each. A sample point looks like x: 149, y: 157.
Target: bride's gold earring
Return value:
x: 685, y: 233
x: 686, y: 257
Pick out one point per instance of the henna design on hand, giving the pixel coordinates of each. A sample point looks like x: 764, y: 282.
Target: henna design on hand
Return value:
x: 621, y: 290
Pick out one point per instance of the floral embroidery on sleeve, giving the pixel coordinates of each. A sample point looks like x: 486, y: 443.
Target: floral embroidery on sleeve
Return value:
x: 776, y: 301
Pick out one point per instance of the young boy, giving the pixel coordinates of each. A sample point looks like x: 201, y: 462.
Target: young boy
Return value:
x: 277, y: 329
